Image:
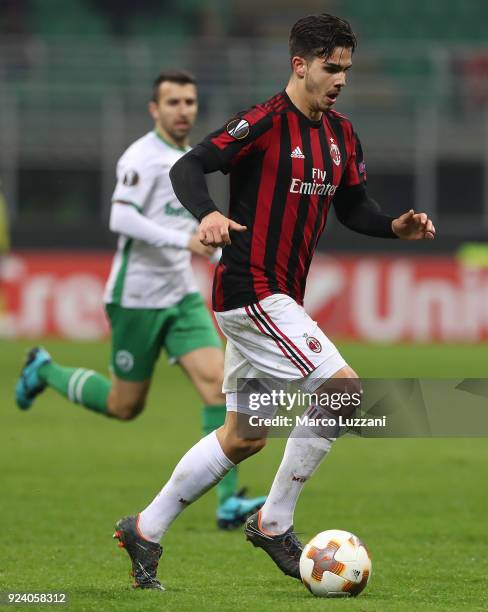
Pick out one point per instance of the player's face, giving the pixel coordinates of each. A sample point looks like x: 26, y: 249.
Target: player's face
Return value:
x: 176, y: 109
x: 325, y: 78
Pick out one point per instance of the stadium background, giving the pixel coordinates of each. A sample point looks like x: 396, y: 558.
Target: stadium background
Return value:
x: 74, y: 81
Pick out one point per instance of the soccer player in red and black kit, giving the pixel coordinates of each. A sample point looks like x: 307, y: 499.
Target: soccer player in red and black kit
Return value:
x: 289, y: 159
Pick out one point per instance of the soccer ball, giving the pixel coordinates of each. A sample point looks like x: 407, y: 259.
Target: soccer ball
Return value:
x: 335, y: 563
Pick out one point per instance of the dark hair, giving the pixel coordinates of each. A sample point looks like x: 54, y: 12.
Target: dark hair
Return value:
x: 319, y: 35
x: 182, y: 77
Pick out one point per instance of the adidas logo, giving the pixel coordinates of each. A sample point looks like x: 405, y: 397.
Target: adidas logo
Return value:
x: 297, y: 153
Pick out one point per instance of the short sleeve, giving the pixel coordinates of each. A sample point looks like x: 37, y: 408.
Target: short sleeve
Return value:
x: 134, y: 183
x: 355, y: 172
x: 243, y: 134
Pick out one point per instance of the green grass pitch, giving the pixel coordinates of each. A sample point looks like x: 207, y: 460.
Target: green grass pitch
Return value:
x: 67, y: 475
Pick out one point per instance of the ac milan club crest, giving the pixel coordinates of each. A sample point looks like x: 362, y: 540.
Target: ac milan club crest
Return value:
x: 335, y: 153
x: 313, y: 344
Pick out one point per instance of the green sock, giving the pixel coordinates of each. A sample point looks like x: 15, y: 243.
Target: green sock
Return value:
x: 79, y: 385
x: 213, y: 418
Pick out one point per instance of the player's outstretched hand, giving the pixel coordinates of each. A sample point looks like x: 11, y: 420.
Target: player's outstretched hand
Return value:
x: 215, y: 228
x: 197, y: 248
x: 413, y: 226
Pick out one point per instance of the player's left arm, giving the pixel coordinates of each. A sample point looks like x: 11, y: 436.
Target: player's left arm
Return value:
x: 357, y: 211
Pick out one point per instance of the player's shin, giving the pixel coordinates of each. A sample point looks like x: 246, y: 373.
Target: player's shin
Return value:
x: 79, y: 385
x: 305, y: 449
x: 203, y: 466
x: 213, y: 418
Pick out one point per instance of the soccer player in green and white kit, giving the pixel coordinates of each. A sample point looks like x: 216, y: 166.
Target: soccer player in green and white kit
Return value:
x: 151, y: 296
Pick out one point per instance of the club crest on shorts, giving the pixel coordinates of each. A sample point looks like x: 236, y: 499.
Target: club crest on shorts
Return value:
x: 313, y: 344
x: 238, y: 128
x: 124, y: 360
x: 335, y: 153
x: 131, y: 178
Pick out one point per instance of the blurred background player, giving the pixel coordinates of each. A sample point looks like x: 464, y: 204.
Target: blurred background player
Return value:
x: 151, y: 297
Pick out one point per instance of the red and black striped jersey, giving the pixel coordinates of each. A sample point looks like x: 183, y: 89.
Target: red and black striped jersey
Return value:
x: 284, y: 171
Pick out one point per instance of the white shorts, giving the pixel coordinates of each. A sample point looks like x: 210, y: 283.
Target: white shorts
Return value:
x: 275, y: 339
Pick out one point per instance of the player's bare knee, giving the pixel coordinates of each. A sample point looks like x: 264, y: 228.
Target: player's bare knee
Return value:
x: 126, y: 410
x: 242, y: 448
x: 341, y: 394
x: 353, y: 382
x: 131, y: 414
x: 212, y: 388
x: 237, y: 446
x: 238, y: 441
x: 248, y: 446
x: 346, y: 373
x: 214, y: 396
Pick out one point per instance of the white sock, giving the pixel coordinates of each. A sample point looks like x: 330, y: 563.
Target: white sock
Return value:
x: 203, y: 466
x: 302, y: 457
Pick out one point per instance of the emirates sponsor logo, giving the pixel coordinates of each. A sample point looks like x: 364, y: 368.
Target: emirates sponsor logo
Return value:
x: 317, y: 186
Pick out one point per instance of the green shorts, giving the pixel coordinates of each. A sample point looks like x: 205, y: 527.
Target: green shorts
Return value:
x: 138, y: 334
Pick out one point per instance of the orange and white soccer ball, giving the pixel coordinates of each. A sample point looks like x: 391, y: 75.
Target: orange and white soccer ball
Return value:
x: 335, y: 563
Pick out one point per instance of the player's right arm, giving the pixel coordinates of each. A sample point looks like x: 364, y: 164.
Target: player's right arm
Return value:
x: 134, y: 184
x: 128, y: 221
x: 222, y: 149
